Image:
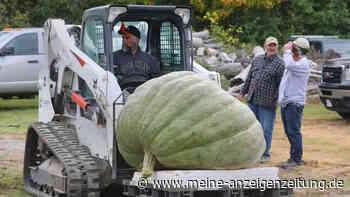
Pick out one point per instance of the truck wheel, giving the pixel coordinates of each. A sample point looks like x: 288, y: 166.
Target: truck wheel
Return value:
x: 344, y: 115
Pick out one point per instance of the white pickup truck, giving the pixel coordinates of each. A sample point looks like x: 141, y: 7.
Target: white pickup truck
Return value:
x: 22, y: 55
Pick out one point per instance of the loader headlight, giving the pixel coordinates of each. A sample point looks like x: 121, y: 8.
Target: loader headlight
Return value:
x: 184, y: 13
x: 114, y: 12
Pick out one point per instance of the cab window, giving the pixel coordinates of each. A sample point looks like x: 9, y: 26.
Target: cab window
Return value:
x: 3, y: 35
x: 170, y: 48
x: 93, y: 41
x: 25, y: 44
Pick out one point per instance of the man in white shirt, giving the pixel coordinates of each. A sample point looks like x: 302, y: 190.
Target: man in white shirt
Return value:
x: 292, y: 96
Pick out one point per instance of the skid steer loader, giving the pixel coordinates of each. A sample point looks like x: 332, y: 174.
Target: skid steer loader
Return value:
x: 72, y: 150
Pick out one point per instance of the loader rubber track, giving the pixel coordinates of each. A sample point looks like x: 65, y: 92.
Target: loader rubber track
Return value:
x: 83, y: 175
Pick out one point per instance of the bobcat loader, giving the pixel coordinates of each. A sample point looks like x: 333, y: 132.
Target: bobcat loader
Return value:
x: 72, y: 150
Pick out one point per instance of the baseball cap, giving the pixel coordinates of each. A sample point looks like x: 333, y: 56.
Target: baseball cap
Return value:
x: 270, y: 40
x: 302, y: 43
x: 130, y: 29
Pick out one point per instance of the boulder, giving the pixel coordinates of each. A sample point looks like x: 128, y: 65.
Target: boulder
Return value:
x: 229, y: 70
x: 197, y: 42
x: 241, y: 77
x: 219, y: 46
x: 212, y: 60
x: 258, y: 50
x: 223, y: 57
x: 201, y: 34
x: 233, y: 56
x: 210, y: 52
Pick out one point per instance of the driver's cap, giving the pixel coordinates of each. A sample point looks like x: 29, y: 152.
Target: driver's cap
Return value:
x: 130, y: 29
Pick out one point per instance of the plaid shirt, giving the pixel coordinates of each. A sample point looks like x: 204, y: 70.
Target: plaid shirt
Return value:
x: 263, y: 80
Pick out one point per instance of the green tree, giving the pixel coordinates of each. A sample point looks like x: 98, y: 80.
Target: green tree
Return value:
x: 14, y: 13
x: 280, y: 18
x: 70, y: 11
x: 248, y: 21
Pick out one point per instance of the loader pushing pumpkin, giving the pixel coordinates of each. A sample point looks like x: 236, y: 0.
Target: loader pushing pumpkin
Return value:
x: 92, y: 137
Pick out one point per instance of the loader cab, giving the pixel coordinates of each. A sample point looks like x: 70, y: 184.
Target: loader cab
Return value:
x: 165, y: 34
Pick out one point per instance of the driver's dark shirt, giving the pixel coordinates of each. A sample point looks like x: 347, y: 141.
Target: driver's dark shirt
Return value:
x: 133, y: 70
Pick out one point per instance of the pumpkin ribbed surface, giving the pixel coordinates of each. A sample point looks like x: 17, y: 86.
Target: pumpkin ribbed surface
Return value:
x: 185, y: 121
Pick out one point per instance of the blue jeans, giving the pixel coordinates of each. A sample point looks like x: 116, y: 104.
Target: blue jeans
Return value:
x: 266, y: 117
x: 291, y: 118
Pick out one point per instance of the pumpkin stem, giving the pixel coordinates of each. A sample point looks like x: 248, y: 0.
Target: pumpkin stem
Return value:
x: 149, y: 162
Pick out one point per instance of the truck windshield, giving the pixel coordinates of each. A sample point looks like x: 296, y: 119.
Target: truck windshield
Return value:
x: 341, y: 46
x: 3, y: 35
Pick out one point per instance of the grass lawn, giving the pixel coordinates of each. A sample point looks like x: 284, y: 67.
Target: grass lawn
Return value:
x: 12, y: 182
x: 319, y: 112
x: 17, y: 114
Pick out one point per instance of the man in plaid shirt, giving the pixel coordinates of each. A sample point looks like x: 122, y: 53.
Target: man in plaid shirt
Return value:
x: 261, y: 87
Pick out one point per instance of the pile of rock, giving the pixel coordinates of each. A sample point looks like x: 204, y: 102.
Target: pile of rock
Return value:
x: 210, y: 53
x: 235, y: 66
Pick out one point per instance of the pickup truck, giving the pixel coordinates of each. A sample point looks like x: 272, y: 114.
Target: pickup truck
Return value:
x: 335, y: 86
x: 22, y: 55
x: 335, y: 81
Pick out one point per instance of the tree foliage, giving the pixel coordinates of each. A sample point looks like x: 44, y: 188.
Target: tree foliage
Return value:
x: 252, y: 21
x: 243, y: 21
x: 15, y: 13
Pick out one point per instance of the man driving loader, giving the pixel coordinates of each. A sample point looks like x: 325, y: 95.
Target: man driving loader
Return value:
x: 133, y: 66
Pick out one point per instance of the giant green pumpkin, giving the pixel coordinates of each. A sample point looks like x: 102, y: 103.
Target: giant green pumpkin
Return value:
x: 185, y: 121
